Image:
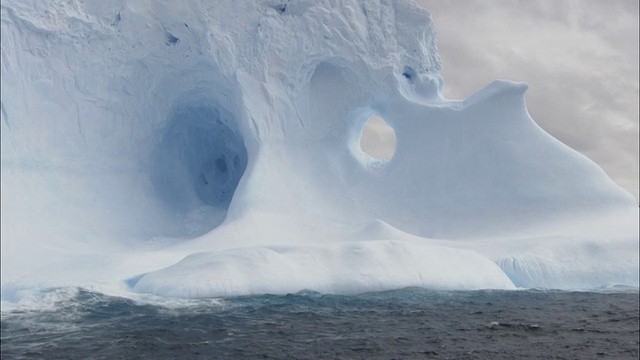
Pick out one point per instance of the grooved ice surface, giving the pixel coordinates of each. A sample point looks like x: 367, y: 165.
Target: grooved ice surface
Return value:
x: 212, y: 148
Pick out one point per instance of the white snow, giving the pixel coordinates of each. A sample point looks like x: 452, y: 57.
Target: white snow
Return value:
x: 213, y: 148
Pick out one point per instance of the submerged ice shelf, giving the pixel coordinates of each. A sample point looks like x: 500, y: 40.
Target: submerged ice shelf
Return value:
x: 180, y: 151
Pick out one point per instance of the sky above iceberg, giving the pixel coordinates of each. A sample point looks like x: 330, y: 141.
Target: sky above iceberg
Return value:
x: 580, y: 59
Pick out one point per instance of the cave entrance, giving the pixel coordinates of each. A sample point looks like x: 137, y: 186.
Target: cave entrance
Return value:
x: 199, y: 161
x: 378, y: 139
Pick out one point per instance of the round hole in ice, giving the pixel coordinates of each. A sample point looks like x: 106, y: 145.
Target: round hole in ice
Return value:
x: 200, y: 159
x: 378, y: 139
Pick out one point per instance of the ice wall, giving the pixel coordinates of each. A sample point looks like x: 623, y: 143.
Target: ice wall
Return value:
x: 219, y: 140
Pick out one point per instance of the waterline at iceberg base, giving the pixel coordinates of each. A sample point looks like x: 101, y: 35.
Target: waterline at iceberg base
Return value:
x: 203, y: 149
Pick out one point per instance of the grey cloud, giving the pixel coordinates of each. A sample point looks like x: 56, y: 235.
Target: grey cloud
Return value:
x: 378, y: 139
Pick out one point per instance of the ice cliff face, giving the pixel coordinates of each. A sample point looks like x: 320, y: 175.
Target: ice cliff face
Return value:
x: 219, y: 143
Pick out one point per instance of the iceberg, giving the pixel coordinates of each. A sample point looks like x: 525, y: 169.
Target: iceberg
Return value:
x: 212, y: 149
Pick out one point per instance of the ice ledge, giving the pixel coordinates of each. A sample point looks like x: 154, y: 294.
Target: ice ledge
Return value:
x: 496, y: 89
x: 337, y: 268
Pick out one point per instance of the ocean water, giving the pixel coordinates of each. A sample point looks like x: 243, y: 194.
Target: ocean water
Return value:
x: 409, y: 323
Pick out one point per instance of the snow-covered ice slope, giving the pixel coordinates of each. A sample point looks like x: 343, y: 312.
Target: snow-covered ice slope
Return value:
x: 202, y: 148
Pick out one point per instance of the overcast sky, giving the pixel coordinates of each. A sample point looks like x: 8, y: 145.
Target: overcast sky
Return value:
x: 579, y: 57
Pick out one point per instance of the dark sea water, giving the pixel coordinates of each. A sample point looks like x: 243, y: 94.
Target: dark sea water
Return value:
x: 404, y: 324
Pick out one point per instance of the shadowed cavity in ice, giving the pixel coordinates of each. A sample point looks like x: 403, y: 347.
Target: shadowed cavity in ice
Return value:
x: 200, y: 160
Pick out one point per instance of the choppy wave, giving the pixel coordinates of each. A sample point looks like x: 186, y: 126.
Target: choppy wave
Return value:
x: 409, y: 323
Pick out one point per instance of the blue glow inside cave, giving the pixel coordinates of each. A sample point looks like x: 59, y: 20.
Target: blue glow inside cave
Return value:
x: 200, y: 159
